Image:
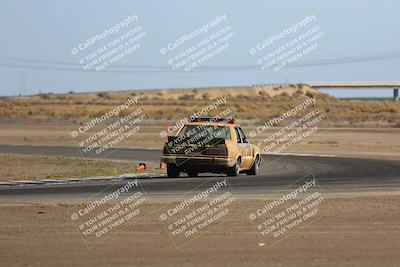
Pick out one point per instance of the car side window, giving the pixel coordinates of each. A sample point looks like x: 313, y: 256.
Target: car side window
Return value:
x: 244, y: 139
x: 238, y: 139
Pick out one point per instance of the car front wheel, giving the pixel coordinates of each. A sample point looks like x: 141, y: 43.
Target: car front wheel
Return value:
x: 256, y: 166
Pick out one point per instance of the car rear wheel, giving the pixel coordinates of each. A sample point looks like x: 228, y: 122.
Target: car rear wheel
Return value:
x: 172, y: 170
x: 254, y: 169
x: 192, y: 173
x: 234, y: 170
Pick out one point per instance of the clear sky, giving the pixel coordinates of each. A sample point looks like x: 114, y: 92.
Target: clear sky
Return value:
x: 360, y: 43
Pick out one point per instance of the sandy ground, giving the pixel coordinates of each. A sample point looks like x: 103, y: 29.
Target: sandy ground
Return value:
x: 359, y: 231
x: 378, y: 143
x: 14, y: 167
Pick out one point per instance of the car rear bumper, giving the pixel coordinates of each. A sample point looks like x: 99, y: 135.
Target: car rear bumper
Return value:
x: 198, y: 160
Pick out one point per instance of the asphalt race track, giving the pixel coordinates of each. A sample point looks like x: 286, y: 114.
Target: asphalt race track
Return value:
x: 334, y: 174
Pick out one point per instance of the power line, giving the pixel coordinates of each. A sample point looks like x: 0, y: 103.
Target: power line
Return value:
x: 152, y: 69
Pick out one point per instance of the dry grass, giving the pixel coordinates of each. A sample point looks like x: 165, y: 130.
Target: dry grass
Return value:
x: 32, y: 167
x: 252, y: 105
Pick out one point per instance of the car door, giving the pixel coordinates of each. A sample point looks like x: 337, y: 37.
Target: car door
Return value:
x: 242, y: 147
x: 248, y: 158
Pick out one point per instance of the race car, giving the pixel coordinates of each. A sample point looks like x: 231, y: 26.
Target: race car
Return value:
x: 216, y: 145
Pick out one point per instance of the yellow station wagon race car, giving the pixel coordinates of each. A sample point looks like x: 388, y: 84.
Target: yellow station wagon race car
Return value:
x: 210, y: 145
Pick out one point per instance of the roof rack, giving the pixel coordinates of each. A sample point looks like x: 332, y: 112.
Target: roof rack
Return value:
x: 230, y: 120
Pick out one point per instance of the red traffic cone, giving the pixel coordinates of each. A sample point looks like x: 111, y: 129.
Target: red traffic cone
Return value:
x: 162, y: 165
x: 141, y: 167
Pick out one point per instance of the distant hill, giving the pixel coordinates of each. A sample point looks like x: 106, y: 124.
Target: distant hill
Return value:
x: 251, y: 105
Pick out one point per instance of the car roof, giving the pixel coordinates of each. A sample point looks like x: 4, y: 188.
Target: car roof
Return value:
x: 211, y: 123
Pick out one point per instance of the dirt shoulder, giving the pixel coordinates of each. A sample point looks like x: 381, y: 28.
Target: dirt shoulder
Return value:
x: 361, y: 231
x: 34, y: 167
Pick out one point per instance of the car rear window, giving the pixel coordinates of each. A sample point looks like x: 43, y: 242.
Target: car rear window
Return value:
x: 206, y: 131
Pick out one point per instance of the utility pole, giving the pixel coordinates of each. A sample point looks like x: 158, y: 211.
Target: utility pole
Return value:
x: 22, y: 80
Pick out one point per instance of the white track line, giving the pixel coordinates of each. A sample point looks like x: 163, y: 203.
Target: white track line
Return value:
x: 82, y: 180
x: 299, y: 154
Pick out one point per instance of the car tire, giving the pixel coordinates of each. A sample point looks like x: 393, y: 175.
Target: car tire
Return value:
x: 234, y: 170
x: 172, y: 171
x: 192, y: 173
x: 254, y: 169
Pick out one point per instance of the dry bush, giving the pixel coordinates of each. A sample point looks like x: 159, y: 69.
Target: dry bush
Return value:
x: 310, y: 93
x: 253, y: 106
x: 186, y: 97
x: 104, y: 95
x: 46, y: 96
x: 206, y: 96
